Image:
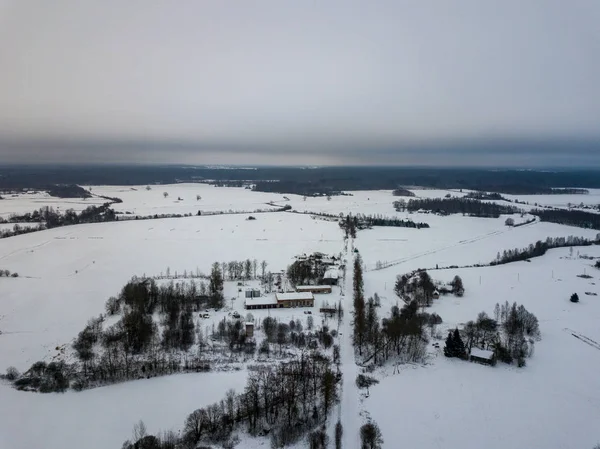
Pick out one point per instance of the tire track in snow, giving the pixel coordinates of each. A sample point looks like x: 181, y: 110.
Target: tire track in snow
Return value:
x: 444, y: 248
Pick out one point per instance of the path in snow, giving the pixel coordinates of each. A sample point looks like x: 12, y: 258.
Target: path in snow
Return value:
x: 349, y: 404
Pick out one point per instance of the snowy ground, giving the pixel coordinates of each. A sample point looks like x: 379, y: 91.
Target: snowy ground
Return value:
x: 552, y: 403
x: 182, y: 198
x: 104, y: 417
x: 66, y: 275
x: 22, y: 203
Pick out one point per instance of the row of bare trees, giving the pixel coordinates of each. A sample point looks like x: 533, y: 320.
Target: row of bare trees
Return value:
x: 288, y: 401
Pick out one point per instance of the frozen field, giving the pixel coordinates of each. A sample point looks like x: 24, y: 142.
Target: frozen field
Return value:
x: 19, y: 204
x: 104, y: 417
x: 552, y: 403
x: 182, y: 198
x: 66, y: 275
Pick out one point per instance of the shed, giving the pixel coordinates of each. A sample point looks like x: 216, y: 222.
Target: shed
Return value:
x: 249, y: 329
x: 436, y: 294
x: 482, y: 356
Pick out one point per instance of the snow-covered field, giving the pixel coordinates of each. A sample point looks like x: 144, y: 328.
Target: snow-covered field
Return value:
x: 554, y: 402
x: 66, y: 275
x: 77, y: 268
x: 183, y: 198
x: 23, y: 203
x: 104, y: 417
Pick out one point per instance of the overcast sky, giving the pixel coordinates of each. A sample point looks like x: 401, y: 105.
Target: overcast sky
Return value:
x: 507, y: 82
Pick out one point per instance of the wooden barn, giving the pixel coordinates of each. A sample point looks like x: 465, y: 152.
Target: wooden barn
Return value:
x: 482, y: 356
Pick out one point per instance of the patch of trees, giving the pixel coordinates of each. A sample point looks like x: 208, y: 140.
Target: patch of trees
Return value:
x: 7, y: 273
x: 579, y: 218
x: 485, y: 196
x: 368, y: 221
x: 307, y: 271
x: 243, y: 270
x: 540, y: 248
x: 511, y: 334
x: 597, y: 264
x: 349, y: 225
x: 53, y: 218
x: 136, y: 345
x: 317, y: 188
x: 68, y: 191
x: 288, y: 401
x: 401, y: 191
x: 402, y: 335
x: 420, y: 287
x: 465, y: 206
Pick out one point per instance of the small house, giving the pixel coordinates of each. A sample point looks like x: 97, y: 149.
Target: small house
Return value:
x: 436, y: 294
x: 249, y: 329
x: 482, y: 356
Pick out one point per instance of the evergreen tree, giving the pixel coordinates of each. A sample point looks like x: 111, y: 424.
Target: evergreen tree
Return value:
x: 459, y: 346
x: 574, y: 297
x: 449, y: 348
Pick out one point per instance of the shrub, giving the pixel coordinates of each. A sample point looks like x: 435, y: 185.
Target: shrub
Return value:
x: 12, y: 373
x: 574, y: 297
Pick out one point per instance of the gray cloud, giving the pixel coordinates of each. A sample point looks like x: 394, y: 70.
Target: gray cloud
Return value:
x: 396, y: 82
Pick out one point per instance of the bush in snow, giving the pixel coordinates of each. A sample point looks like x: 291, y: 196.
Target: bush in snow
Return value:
x: 12, y: 373
x: 574, y: 297
x: 370, y: 436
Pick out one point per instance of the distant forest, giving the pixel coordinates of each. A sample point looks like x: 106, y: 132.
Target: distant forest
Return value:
x: 465, y: 206
x: 571, y: 217
x: 306, y: 181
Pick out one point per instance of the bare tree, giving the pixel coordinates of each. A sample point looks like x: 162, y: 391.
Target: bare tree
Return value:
x: 165, y: 194
x: 254, y: 267
x: 139, y: 431
x: 263, y: 268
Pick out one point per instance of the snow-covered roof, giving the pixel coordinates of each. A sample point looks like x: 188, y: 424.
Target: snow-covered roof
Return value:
x: 332, y: 273
x: 308, y: 288
x: 260, y: 301
x: 297, y: 296
x: 482, y: 353
x: 249, y: 323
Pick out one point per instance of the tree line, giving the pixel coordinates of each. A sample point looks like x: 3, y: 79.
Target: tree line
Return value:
x: 288, y: 401
x: 571, y: 217
x: 540, y: 248
x: 401, y: 335
x: 465, y: 206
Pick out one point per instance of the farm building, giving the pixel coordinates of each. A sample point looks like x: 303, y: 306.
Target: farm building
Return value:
x: 482, y: 356
x: 297, y: 299
x: 314, y: 288
x: 264, y: 302
x: 331, y: 276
